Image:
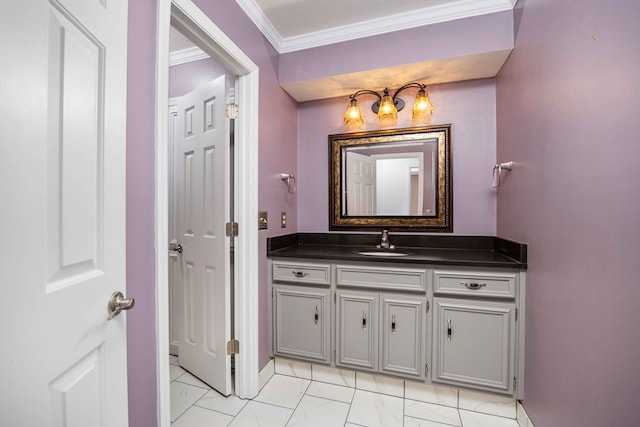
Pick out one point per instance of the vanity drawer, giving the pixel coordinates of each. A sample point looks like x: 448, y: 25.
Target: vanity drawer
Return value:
x: 469, y: 283
x: 391, y: 278
x: 297, y: 272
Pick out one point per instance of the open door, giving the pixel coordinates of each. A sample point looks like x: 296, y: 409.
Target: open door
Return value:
x: 202, y: 186
x: 361, y: 185
x: 63, y: 222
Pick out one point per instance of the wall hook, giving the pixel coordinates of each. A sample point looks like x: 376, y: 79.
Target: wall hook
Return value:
x: 497, y: 172
x: 287, y: 178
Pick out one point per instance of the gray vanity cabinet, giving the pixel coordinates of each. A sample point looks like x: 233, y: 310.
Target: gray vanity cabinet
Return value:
x: 453, y: 325
x: 380, y: 318
x: 380, y: 332
x: 357, y: 329
x: 402, y: 334
x: 301, y: 310
x: 302, y: 322
x: 474, y: 334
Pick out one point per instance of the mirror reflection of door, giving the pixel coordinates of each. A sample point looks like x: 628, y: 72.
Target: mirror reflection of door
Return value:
x: 361, y: 185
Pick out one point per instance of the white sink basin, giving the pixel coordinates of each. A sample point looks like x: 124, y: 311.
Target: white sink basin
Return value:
x: 383, y: 254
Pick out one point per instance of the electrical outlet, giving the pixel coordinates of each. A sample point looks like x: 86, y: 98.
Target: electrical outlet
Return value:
x: 283, y: 219
x: 262, y: 220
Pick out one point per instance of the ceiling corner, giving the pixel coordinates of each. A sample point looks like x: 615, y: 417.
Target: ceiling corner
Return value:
x: 257, y: 16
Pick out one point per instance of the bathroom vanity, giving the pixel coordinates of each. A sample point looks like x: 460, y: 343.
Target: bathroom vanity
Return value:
x: 439, y: 309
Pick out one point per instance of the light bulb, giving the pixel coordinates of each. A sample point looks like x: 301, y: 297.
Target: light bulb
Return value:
x: 353, y: 116
x: 387, y: 112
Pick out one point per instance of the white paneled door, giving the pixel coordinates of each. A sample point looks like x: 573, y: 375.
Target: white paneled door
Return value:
x: 62, y: 163
x: 361, y: 184
x: 201, y: 157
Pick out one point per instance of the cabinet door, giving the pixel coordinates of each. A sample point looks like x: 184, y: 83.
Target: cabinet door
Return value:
x: 302, y: 322
x: 357, y: 340
x: 402, y: 335
x: 474, y: 344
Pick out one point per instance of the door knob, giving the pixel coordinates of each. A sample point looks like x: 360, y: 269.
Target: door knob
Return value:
x: 117, y: 303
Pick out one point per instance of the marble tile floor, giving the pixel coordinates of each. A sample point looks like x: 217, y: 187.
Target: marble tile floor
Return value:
x: 295, y: 396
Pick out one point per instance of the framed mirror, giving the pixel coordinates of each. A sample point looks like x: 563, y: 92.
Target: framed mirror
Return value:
x: 396, y: 179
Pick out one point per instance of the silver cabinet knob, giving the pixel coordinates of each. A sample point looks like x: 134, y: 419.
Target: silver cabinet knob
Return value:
x: 176, y: 248
x: 117, y: 303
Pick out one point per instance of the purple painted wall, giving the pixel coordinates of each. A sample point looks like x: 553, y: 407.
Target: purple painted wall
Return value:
x: 468, y: 106
x: 567, y: 110
x: 277, y: 145
x: 141, y: 327
x: 184, y: 78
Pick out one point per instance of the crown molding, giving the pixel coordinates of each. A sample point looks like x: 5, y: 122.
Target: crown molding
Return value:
x: 402, y: 21
x: 186, y: 55
x: 257, y: 16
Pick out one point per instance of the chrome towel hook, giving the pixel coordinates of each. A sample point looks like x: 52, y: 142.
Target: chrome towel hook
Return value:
x: 497, y: 172
x: 287, y: 178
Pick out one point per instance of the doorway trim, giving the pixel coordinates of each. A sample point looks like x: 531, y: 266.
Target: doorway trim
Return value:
x: 192, y: 22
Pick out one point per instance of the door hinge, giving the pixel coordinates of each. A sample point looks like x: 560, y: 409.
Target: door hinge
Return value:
x: 233, y: 347
x: 232, y: 229
x: 232, y: 111
x: 427, y: 311
x: 426, y: 370
x: 516, y: 314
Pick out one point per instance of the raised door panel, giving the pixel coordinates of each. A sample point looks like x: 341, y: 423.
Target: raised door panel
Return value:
x: 357, y: 340
x: 402, y: 335
x: 474, y: 344
x: 302, y: 322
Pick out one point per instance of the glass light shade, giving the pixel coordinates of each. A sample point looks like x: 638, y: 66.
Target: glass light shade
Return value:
x: 387, y: 113
x: 422, y: 108
x: 353, y: 116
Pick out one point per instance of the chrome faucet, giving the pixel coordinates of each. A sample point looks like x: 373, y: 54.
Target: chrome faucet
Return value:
x: 384, y: 241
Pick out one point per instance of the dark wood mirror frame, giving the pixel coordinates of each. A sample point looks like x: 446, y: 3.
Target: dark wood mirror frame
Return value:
x: 440, y: 221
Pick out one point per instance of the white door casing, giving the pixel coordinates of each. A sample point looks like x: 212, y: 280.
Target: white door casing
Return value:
x: 63, y: 221
x: 192, y: 21
x: 202, y: 189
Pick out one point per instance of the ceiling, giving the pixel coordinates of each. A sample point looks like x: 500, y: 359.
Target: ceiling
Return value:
x: 293, y: 25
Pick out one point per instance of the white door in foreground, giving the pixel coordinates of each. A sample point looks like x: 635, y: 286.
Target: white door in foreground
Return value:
x: 62, y: 162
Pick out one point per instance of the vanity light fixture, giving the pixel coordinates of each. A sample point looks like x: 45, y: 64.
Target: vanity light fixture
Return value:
x: 387, y: 106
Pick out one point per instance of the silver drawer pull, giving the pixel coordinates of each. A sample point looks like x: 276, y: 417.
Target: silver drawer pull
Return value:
x: 316, y: 317
x: 299, y: 273
x: 449, y: 330
x: 393, y: 324
x: 364, y: 320
x: 473, y: 285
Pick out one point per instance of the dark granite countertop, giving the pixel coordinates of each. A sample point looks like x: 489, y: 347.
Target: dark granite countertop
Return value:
x: 472, y: 251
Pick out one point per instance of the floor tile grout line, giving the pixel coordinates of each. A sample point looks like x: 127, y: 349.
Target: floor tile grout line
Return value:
x: 298, y: 404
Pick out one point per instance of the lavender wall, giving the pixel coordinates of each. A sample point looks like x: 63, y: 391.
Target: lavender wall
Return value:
x: 277, y: 145
x: 141, y: 328
x: 468, y: 106
x: 567, y: 110
x: 184, y: 78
